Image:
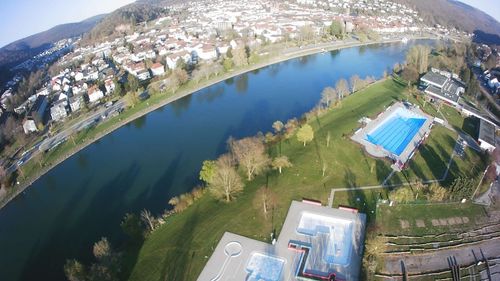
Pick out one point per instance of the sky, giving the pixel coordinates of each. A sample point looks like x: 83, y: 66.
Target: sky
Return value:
x: 491, y: 7
x: 22, y: 18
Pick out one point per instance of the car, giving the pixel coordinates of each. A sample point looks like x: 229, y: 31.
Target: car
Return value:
x: 20, y: 162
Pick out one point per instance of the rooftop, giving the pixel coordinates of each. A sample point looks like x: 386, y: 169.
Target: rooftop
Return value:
x: 315, y: 241
x: 434, y: 78
x: 487, y: 132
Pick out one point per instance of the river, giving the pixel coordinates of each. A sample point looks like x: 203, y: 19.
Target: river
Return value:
x: 143, y: 164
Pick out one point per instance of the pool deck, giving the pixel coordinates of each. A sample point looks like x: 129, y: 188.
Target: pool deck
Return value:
x: 380, y: 152
x: 230, y: 261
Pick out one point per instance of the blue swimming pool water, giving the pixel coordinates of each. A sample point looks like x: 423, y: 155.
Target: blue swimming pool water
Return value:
x: 396, y: 132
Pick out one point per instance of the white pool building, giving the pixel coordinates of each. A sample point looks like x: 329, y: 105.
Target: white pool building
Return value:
x: 315, y: 243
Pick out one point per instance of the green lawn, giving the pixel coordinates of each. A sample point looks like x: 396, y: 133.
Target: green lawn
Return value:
x: 179, y: 249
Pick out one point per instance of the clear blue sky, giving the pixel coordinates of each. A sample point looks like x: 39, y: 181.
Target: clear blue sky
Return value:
x: 22, y: 18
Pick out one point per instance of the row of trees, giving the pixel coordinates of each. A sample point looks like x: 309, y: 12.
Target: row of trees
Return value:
x: 330, y: 96
x: 222, y: 177
x: 430, y: 192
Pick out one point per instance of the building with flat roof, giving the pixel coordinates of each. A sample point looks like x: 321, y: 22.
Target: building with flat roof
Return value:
x: 315, y: 243
x: 442, y: 86
x: 487, y: 135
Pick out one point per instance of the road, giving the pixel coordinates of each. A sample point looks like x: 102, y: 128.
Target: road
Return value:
x: 53, y: 141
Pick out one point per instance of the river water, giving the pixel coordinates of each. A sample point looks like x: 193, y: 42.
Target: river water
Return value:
x: 153, y: 158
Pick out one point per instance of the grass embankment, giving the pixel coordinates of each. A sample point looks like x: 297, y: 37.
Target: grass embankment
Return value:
x: 179, y: 249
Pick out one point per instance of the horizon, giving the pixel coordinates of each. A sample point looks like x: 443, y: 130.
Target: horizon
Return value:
x: 10, y: 26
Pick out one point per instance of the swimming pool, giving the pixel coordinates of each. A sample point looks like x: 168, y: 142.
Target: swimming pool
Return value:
x: 262, y: 267
x: 396, y: 131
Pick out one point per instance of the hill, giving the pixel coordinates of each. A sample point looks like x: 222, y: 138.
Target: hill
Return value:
x: 124, y: 19
x: 451, y: 13
x: 22, y: 49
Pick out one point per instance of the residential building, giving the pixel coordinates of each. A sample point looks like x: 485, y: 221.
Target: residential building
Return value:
x: 110, y: 86
x: 95, y: 94
x: 29, y: 126
x: 75, y: 102
x: 486, y: 137
x: 157, y: 69
x: 58, y: 111
x: 143, y: 75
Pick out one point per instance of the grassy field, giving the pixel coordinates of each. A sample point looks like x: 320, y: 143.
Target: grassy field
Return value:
x: 388, y: 218
x: 179, y: 249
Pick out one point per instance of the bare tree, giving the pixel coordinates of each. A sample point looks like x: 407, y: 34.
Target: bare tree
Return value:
x: 281, y: 162
x: 240, y: 57
x: 342, y: 88
x: 278, y: 127
x: 102, y: 249
x: 267, y: 199
x: 328, y: 137
x: 250, y: 154
x: 328, y: 96
x: 148, y: 219
x: 226, y: 182
x: 356, y: 83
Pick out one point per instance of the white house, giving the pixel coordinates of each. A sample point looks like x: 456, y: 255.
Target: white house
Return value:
x: 29, y: 126
x: 78, y: 76
x: 206, y: 52
x: 58, y: 111
x: 109, y: 85
x: 157, y: 69
x: 143, y: 75
x: 95, y: 94
x: 174, y: 58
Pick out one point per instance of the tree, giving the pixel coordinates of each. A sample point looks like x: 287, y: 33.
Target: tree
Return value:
x: 436, y: 193
x: 418, y: 57
x: 306, y: 33
x: 131, y: 226
x: 102, y: 250
x: 410, y: 74
x: 402, y: 195
x: 305, y: 134
x: 342, y: 88
x: 227, y: 63
x: 148, y: 219
x: 251, y: 155
x: 356, y: 83
x: 328, y: 96
x: 75, y: 271
x: 226, y: 183
x: 131, y: 99
x: 267, y: 199
x: 207, y: 171
x: 240, y: 57
x: 132, y: 83
x: 281, y: 162
x: 337, y: 29
x: 278, y: 127
x: 375, y: 246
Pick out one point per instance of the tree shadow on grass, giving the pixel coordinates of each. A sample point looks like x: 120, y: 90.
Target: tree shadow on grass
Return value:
x: 433, y: 161
x: 177, y: 262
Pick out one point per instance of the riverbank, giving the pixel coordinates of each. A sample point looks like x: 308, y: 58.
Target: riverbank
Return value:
x: 159, y: 101
x: 180, y: 248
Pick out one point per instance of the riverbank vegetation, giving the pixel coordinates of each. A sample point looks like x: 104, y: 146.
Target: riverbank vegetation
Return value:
x: 178, y: 249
